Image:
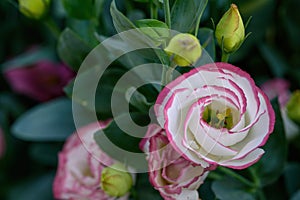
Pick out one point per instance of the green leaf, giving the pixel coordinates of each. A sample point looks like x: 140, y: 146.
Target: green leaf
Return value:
x: 296, y: 196
x: 120, y: 140
x: 156, y: 30
x: 205, y: 191
x: 51, y: 121
x: 99, y: 5
x: 28, y: 58
x: 34, y: 188
x: 138, y: 100
x: 121, y: 22
x: 11, y: 104
x: 275, y: 60
x: 229, y: 189
x: 86, y: 29
x: 120, y: 137
x: 185, y: 14
x: 292, y: 178
x: 72, y: 49
x: 144, y: 190
x: 207, y: 41
x: 45, y: 153
x: 80, y: 9
x: 103, y: 91
x: 271, y: 165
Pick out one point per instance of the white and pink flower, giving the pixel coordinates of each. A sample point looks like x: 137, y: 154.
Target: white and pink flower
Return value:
x: 172, y: 175
x: 79, y: 173
x: 215, y: 114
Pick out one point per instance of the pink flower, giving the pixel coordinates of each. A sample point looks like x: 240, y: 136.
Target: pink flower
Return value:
x: 41, y: 81
x: 2, y: 143
x: 78, y: 175
x: 277, y: 88
x: 215, y: 114
x: 280, y: 88
x: 172, y: 175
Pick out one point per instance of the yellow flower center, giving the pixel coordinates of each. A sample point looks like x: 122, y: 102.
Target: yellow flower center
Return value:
x: 218, y: 119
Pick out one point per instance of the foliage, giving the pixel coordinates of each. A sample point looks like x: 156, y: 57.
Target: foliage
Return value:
x: 35, y: 131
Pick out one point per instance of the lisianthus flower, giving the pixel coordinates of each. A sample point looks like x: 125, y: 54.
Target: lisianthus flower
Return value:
x: 41, y: 81
x: 216, y: 114
x: 170, y: 173
x: 279, y: 88
x: 79, y: 173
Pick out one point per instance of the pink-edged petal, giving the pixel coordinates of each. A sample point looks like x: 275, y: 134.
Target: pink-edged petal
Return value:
x: 260, y: 131
x: 245, y: 161
x: 203, y: 139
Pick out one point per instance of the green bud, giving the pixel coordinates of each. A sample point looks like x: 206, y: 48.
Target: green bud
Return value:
x: 115, y: 181
x: 230, y: 31
x: 185, y: 49
x: 34, y: 9
x: 293, y: 107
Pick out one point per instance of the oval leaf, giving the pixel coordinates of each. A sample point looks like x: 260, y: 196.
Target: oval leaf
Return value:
x: 229, y: 189
x: 72, y: 49
x: 186, y: 14
x: 51, y: 121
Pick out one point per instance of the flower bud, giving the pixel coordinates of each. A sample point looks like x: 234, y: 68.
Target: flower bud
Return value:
x: 34, y: 9
x: 185, y: 49
x: 230, y: 31
x: 293, y: 107
x: 115, y: 181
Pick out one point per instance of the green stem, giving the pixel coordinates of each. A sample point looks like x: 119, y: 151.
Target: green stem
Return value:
x: 261, y: 194
x: 225, y: 56
x: 167, y: 75
x: 256, y: 180
x: 198, y: 21
x: 197, y: 26
x: 167, y: 13
x: 254, y: 177
x: 236, y: 176
x: 52, y: 27
x: 153, y: 11
x: 214, y: 176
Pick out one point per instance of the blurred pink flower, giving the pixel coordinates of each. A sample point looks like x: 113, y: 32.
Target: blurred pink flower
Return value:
x: 78, y: 175
x: 2, y: 143
x: 279, y: 88
x: 41, y: 81
x: 171, y: 174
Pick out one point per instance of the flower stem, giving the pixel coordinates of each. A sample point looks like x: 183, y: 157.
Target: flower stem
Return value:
x: 167, y: 75
x: 153, y: 11
x: 236, y: 176
x: 52, y: 27
x: 261, y: 194
x: 167, y: 13
x: 254, y: 177
x: 198, y: 21
x: 225, y: 57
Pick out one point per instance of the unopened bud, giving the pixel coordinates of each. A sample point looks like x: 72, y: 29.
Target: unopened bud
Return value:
x: 230, y: 31
x: 34, y: 9
x: 293, y: 107
x: 185, y: 49
x: 115, y: 181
